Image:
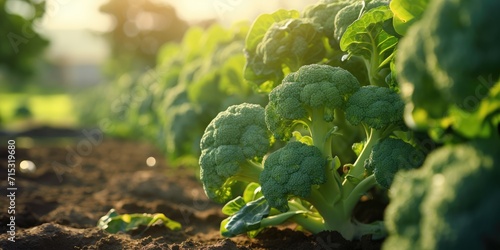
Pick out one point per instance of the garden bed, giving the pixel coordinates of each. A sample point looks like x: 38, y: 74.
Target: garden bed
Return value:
x: 58, y: 208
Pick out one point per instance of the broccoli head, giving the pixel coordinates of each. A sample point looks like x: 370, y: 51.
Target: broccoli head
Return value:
x: 231, y: 149
x: 389, y: 156
x: 309, y: 96
x: 324, y: 14
x: 452, y: 202
x: 376, y: 107
x: 291, y: 170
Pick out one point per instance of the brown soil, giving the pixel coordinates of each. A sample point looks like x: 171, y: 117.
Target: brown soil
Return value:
x: 57, y: 206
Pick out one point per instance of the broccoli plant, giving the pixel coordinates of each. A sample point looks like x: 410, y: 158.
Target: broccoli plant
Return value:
x: 452, y: 93
x: 303, y: 180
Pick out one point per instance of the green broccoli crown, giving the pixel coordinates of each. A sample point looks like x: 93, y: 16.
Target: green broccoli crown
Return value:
x: 390, y: 156
x: 291, y: 170
x: 451, y: 202
x: 233, y: 140
x: 290, y: 42
x: 376, y: 107
x: 324, y: 14
x: 312, y: 88
x: 346, y: 16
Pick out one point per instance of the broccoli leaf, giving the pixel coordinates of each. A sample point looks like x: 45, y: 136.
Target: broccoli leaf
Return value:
x: 252, y: 192
x: 368, y: 37
x: 233, y: 206
x: 248, y: 218
x: 113, y: 222
x: 406, y: 13
x: 252, y: 217
x: 483, y: 121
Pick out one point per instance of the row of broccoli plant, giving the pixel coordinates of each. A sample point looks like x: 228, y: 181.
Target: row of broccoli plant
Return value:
x: 329, y: 83
x: 172, y: 103
x: 336, y: 76
x: 448, y: 67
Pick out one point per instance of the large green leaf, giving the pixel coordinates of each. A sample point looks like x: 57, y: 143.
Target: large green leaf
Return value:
x: 370, y: 37
x: 406, y: 12
x: 113, y: 222
x: 248, y: 218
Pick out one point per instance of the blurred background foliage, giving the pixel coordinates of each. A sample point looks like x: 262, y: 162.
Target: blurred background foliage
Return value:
x: 172, y: 103
x: 22, y: 46
x: 141, y: 27
x: 136, y: 69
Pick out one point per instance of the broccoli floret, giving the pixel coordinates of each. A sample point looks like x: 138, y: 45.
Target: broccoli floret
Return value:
x: 231, y: 149
x: 389, y: 156
x: 324, y: 14
x: 380, y: 111
x: 375, y: 107
x: 452, y: 202
x: 310, y: 97
x: 292, y: 42
x: 291, y: 170
x: 346, y: 16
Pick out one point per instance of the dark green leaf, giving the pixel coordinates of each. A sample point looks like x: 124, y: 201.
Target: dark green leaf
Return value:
x: 246, y: 219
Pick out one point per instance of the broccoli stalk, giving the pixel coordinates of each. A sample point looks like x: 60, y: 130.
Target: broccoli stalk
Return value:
x: 249, y: 171
x: 379, y: 110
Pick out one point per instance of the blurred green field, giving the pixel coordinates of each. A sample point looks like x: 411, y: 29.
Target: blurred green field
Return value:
x: 44, y: 109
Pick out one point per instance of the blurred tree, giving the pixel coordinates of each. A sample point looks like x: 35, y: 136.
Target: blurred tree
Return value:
x: 141, y: 27
x: 22, y: 46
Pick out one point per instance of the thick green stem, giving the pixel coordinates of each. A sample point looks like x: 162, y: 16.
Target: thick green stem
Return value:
x: 372, y: 66
x: 249, y: 171
x: 322, y: 134
x: 310, y: 221
x: 353, y: 198
x: 334, y: 216
x: 358, y: 169
x: 338, y: 217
